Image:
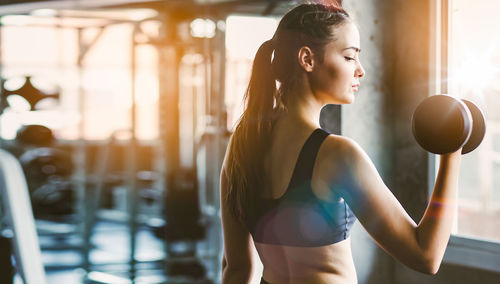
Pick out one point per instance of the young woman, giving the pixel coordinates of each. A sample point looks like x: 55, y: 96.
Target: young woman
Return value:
x: 293, y: 190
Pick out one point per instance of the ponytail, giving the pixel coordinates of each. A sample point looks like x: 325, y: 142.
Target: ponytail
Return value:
x: 307, y: 24
x: 252, y: 137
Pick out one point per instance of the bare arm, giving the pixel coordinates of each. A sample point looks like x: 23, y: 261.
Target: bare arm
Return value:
x: 434, y: 229
x: 421, y: 246
x: 237, y: 262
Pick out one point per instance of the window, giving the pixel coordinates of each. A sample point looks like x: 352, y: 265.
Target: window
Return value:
x: 240, y: 52
x: 474, y: 65
x: 467, y: 51
x: 47, y: 49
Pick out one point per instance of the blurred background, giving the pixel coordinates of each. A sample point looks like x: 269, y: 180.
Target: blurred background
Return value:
x: 119, y: 112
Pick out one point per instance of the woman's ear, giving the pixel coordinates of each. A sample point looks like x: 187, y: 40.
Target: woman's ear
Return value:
x: 306, y: 58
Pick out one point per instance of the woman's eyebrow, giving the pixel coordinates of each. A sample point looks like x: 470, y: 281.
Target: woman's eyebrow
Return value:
x: 357, y: 49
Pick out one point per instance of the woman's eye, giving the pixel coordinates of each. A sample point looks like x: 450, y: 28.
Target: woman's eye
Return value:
x: 349, y: 58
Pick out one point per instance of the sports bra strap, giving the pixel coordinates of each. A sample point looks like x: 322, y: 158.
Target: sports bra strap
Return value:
x: 307, y: 157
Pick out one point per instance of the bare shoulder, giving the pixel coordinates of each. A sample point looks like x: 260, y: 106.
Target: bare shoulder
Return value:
x: 341, y: 158
x: 340, y: 149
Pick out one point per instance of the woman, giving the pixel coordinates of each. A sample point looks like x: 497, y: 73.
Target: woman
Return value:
x: 292, y: 190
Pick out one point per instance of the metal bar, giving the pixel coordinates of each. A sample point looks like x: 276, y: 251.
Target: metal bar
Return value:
x: 131, y: 161
x: 84, y: 48
x: 1, y: 89
x: 28, y: 6
x: 80, y: 175
x: 217, y: 98
x: 445, y: 23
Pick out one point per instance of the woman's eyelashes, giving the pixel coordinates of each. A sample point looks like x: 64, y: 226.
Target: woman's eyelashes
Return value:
x: 349, y: 58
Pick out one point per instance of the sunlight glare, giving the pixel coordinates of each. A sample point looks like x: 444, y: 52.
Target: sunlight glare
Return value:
x: 245, y: 34
x: 476, y: 73
x: 15, y: 20
x: 44, y: 13
x: 203, y: 28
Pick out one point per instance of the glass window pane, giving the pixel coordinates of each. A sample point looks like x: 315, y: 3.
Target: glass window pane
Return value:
x: 49, y: 54
x: 474, y: 75
x: 241, y: 46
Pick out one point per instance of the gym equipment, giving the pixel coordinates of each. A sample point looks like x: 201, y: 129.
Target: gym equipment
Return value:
x: 183, y: 227
x: 55, y: 198
x: 40, y: 164
x: 14, y: 192
x: 48, y: 172
x: 182, y: 211
x: 29, y: 92
x: 7, y: 270
x: 442, y: 124
x: 191, y: 267
x: 478, y: 127
x: 35, y: 135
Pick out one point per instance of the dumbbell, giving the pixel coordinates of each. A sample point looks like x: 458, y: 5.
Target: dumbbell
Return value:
x: 35, y: 135
x: 442, y: 124
x: 40, y: 164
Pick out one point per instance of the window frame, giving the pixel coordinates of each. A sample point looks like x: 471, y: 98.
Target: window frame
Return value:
x: 464, y: 251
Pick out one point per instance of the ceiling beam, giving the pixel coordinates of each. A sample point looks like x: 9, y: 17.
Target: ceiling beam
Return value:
x: 26, y: 6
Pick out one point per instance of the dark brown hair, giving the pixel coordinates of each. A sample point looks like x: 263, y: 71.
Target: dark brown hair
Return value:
x: 306, y: 25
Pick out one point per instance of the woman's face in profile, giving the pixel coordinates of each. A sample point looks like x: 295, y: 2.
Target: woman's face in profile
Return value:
x: 336, y: 79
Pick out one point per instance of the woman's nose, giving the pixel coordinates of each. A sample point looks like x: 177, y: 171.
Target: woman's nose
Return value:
x: 360, y: 71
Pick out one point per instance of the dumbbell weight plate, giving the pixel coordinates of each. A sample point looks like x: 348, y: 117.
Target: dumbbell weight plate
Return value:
x: 441, y: 124
x: 478, y: 127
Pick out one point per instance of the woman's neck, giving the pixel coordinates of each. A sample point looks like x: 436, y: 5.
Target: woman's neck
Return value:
x: 304, y: 109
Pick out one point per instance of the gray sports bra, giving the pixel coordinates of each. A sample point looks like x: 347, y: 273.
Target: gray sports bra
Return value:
x: 299, y: 218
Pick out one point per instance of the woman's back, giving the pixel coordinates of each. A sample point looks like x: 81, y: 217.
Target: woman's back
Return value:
x: 288, y: 139
x: 331, y: 263
x: 326, y: 264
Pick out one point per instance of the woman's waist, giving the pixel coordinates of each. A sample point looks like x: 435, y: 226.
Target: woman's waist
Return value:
x: 326, y: 264
x: 311, y: 275
x: 317, y: 278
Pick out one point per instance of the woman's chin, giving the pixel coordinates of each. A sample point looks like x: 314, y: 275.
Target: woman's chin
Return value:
x: 339, y: 101
x: 347, y: 101
x: 350, y: 98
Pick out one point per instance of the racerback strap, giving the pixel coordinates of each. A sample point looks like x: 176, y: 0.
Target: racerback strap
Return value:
x: 307, y: 157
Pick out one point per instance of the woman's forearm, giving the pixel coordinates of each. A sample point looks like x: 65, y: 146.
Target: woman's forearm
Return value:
x: 434, y: 229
